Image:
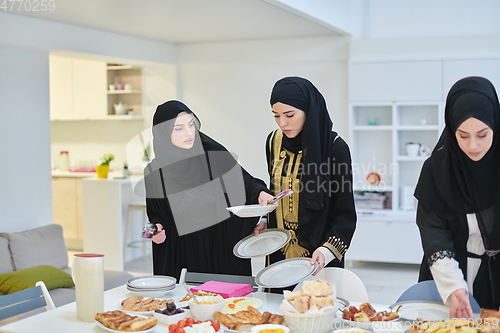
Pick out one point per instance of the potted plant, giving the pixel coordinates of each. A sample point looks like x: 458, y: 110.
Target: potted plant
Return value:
x: 103, y: 169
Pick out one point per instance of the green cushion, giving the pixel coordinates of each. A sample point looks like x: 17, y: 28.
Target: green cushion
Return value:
x: 27, y: 278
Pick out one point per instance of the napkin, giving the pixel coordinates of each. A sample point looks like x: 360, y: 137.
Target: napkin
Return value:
x: 225, y: 289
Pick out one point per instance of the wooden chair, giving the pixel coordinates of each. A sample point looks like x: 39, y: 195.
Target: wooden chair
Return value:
x: 191, y: 278
x: 25, y: 300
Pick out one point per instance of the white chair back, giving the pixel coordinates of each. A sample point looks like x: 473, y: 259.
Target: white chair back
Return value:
x: 25, y: 300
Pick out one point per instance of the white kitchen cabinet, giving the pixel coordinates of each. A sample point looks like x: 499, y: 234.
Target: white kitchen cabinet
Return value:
x: 395, y: 81
x: 89, y: 85
x: 79, y: 90
x: 454, y: 70
x: 61, y: 88
x: 132, y: 98
x: 67, y: 206
x: 378, y: 137
x: 384, y: 239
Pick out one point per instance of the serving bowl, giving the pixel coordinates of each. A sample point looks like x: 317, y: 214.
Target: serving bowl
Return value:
x: 206, y: 311
x: 168, y: 320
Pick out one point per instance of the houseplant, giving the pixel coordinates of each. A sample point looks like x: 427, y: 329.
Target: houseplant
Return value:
x: 103, y: 169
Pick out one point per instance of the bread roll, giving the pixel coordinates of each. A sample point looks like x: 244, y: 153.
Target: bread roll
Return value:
x: 321, y: 302
x: 318, y: 288
x: 301, y: 303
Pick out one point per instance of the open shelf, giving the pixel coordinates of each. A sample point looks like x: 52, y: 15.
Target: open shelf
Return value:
x: 121, y: 92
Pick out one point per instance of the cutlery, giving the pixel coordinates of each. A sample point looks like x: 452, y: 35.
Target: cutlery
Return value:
x: 190, y: 293
x: 280, y: 196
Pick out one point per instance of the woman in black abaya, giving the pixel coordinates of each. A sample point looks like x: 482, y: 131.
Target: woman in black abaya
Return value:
x: 189, y: 183
x: 459, y: 203
x: 306, y: 156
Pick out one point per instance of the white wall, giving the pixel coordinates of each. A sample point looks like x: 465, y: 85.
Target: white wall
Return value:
x: 431, y: 18
x: 228, y: 85
x: 25, y: 130
x: 49, y: 35
x: 25, y: 181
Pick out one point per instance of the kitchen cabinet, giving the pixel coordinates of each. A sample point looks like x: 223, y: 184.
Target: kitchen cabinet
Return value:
x: 454, y: 70
x: 130, y: 77
x: 379, y: 134
x: 76, y: 88
x: 397, y: 80
x: 79, y: 90
x: 67, y: 205
x: 386, y: 238
x: 89, y: 82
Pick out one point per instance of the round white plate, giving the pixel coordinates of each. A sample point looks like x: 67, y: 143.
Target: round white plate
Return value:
x: 228, y: 300
x: 425, y: 310
x: 112, y: 330
x: 251, y: 210
x: 285, y: 273
x: 268, y: 241
x: 152, y: 282
x: 159, y: 293
x: 365, y: 326
x: 134, y: 313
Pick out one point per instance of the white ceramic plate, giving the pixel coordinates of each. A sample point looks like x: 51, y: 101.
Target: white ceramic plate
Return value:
x: 251, y: 210
x: 152, y: 282
x: 364, y: 326
x: 268, y: 241
x: 112, y: 330
x: 258, y: 328
x: 425, y: 310
x: 285, y: 273
x: 159, y: 293
x: 134, y: 313
x: 229, y: 300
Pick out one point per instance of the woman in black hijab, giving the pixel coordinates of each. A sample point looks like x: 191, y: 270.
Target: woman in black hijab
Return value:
x: 306, y: 156
x: 459, y: 203
x: 189, y: 184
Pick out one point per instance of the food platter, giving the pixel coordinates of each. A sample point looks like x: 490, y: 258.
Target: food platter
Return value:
x: 134, y: 313
x: 427, y: 311
x: 268, y: 241
x: 285, y: 273
x: 229, y: 300
x: 251, y: 210
x: 114, y: 331
x: 363, y: 325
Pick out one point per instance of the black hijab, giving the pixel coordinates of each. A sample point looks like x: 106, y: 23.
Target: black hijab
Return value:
x: 450, y: 182
x: 315, y: 139
x: 183, y: 169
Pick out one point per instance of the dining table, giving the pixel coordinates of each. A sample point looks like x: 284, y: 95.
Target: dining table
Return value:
x: 63, y: 319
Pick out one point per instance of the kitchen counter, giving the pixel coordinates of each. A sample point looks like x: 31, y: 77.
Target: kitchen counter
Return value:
x: 111, y: 175
x: 105, y: 212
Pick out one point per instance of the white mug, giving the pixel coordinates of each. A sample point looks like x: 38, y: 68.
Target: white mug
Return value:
x: 112, y: 87
x: 128, y: 86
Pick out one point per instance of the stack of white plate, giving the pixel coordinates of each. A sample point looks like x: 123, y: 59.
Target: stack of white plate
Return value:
x: 151, y: 286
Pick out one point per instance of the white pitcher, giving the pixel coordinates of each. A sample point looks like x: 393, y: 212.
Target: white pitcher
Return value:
x: 88, y: 274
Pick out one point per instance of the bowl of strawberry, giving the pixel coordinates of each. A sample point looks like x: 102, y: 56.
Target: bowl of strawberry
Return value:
x: 194, y: 326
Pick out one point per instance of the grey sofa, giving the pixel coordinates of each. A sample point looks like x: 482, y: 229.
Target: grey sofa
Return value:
x: 45, y: 246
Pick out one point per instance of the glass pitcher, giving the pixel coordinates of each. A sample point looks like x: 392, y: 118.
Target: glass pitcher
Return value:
x: 88, y: 274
